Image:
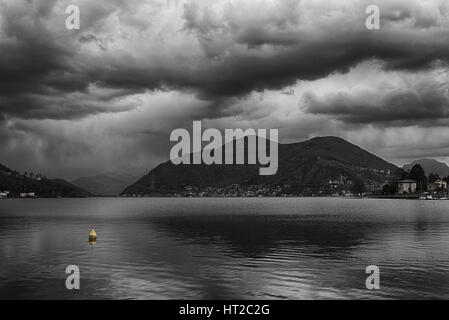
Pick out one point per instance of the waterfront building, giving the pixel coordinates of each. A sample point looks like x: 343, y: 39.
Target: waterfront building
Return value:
x: 406, y: 186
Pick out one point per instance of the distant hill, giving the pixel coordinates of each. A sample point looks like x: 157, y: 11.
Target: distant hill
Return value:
x: 16, y: 183
x: 309, y: 164
x: 108, y: 184
x: 4, y: 169
x: 430, y: 166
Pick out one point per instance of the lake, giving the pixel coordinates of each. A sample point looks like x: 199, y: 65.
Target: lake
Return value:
x: 224, y: 248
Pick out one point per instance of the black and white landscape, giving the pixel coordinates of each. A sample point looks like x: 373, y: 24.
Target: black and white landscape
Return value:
x: 92, y: 91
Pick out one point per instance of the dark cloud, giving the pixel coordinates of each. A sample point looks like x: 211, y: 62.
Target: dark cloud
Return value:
x: 272, y: 52
x: 138, y: 69
x: 239, y: 74
x: 401, y: 108
x: 420, y: 98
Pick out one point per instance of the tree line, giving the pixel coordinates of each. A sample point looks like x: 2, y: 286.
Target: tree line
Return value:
x: 418, y: 174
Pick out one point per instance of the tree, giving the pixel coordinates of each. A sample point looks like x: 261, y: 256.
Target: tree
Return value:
x: 405, y: 175
x: 391, y: 187
x: 400, y: 174
x: 419, y: 175
x: 386, y: 189
x: 359, y: 186
x: 433, y: 177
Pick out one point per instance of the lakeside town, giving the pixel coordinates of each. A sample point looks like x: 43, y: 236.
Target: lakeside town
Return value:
x: 410, y: 185
x: 407, y: 189
x: 413, y: 185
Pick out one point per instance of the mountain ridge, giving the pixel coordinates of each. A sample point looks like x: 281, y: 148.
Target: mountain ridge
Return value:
x: 17, y: 183
x: 308, y: 164
x: 429, y: 166
x: 105, y: 184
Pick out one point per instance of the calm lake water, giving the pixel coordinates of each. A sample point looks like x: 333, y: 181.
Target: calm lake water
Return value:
x: 216, y: 248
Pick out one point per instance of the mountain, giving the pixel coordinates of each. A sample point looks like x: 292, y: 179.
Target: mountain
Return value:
x: 16, y: 183
x: 108, y: 184
x: 430, y: 166
x: 308, y: 165
x: 4, y: 169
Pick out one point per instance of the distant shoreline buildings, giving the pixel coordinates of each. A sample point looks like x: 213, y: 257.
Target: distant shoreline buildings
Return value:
x: 319, y: 167
x: 4, y: 194
x: 406, y: 186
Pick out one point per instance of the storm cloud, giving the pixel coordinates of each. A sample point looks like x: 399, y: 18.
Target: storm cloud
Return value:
x: 138, y: 69
x: 393, y: 99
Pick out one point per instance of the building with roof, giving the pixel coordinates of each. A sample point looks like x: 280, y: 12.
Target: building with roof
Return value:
x: 406, y: 186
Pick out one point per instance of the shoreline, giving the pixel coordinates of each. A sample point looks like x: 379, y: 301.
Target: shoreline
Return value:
x: 397, y: 197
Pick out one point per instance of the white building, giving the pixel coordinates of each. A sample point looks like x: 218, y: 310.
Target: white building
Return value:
x: 406, y: 186
x: 27, y: 195
x: 437, y: 185
x: 4, y: 194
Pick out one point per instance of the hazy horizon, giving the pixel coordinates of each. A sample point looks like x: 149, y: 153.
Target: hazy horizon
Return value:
x: 140, y: 174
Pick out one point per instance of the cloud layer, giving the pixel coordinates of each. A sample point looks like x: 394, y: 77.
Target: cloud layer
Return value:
x: 107, y: 95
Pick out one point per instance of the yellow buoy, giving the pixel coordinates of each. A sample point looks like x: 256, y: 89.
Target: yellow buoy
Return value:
x: 92, y: 236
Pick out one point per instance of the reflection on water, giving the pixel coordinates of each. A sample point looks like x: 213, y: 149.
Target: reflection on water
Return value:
x: 224, y: 248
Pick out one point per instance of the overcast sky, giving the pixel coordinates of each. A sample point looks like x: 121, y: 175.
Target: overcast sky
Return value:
x: 106, y: 97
